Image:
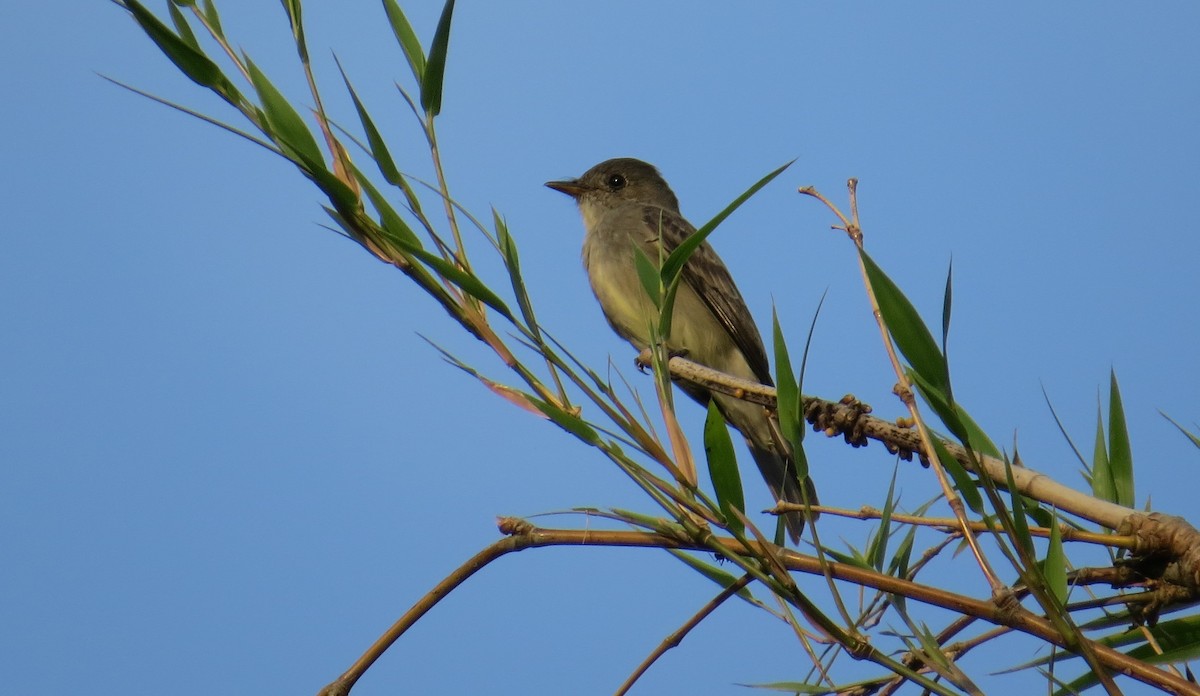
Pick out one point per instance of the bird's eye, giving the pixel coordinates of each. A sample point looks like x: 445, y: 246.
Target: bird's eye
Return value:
x: 615, y: 181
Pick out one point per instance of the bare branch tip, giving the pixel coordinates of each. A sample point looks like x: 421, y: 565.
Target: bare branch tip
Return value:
x: 513, y: 526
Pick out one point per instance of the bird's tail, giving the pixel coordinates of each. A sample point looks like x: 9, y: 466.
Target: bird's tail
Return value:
x: 777, y: 468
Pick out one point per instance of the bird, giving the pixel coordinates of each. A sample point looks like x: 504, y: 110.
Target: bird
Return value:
x: 626, y: 204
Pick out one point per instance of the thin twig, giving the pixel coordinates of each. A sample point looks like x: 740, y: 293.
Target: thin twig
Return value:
x: 1068, y: 532
x: 677, y: 636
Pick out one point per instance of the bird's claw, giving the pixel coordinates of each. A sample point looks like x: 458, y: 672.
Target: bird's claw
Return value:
x: 642, y: 365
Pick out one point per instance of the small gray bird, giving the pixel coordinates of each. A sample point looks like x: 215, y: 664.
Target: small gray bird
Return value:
x: 626, y: 204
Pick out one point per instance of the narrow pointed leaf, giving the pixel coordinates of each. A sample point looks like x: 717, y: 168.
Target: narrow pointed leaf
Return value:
x: 379, y: 149
x: 939, y: 401
x: 407, y: 38
x: 908, y: 330
x: 344, y: 198
x: 1055, y: 567
x: 569, y: 422
x: 1102, y: 478
x: 947, y: 301
x: 1062, y: 429
x: 648, y: 275
x: 955, y: 418
x: 883, y: 533
x: 976, y: 437
x: 665, y: 290
x: 184, y: 29
x: 271, y: 147
x: 1020, y: 526
x: 666, y: 312
x: 812, y: 330
x: 715, y: 574
x: 435, y: 67
x: 209, y: 10
x: 190, y: 61
x: 465, y: 280
x: 786, y: 387
x: 512, y: 261
x: 723, y: 468
x: 675, y: 262
x: 1187, y: 433
x: 963, y: 482
x: 1120, y: 455
x: 285, y: 123
x: 294, y: 9
x: 390, y: 220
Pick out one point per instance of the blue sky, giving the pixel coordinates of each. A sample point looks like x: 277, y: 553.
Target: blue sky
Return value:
x: 229, y: 460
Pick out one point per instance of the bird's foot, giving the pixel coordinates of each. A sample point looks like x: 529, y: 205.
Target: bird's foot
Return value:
x: 643, y: 360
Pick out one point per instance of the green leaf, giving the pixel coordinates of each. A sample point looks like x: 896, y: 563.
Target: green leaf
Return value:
x: 344, y: 198
x: 435, y: 68
x: 209, y: 10
x: 464, y: 279
x: 407, y: 38
x: 1102, y: 478
x: 1055, y: 566
x: 270, y: 147
x: 931, y: 649
x: 394, y: 225
x: 812, y: 329
x: 878, y: 549
x: 720, y: 577
x: 512, y: 261
x: 190, y: 61
x: 1187, y: 433
x: 286, y: 126
x: 908, y: 330
x: 379, y: 149
x: 293, y: 10
x: 899, y: 565
x: 939, y: 401
x: 976, y: 438
x: 1120, y: 455
x: 955, y: 418
x: 947, y: 300
x: 786, y: 388
x: 723, y: 468
x: 1178, y: 638
x: 672, y: 267
x: 184, y: 29
x: 569, y: 422
x: 853, y: 558
x: 963, y: 482
x: 1062, y: 429
x: 1020, y: 526
x: 648, y: 275
x: 1034, y: 511
x: 792, y: 687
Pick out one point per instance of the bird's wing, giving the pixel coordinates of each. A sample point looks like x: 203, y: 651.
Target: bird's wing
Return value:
x: 708, y: 277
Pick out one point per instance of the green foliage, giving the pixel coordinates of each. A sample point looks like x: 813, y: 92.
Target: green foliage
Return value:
x: 1111, y: 473
x: 435, y: 67
x: 722, y: 467
x: 1120, y: 454
x: 789, y: 403
x: 908, y: 330
x: 672, y: 268
x: 1192, y: 437
x: 619, y: 429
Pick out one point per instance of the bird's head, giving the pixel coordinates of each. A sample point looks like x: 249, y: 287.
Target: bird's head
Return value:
x: 617, y: 181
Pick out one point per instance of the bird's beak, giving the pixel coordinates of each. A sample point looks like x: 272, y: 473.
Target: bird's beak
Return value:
x: 571, y: 187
